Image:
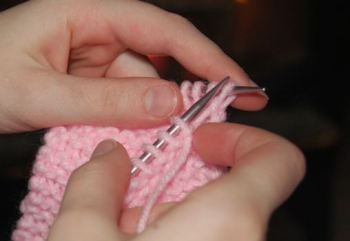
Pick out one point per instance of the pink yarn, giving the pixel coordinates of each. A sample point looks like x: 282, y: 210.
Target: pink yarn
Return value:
x: 170, y: 172
x: 175, y: 172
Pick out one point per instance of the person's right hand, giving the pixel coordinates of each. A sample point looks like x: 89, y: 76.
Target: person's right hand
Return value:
x: 265, y: 170
x: 85, y: 62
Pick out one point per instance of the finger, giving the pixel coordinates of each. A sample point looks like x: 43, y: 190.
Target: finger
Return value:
x: 131, y: 64
x: 100, y: 184
x: 265, y: 170
x: 274, y: 165
x: 228, y: 153
x: 177, y: 37
x: 94, y: 195
x: 58, y: 99
x: 130, y: 217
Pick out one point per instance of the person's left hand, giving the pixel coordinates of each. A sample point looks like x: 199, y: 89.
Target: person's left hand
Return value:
x: 265, y: 170
x: 67, y: 62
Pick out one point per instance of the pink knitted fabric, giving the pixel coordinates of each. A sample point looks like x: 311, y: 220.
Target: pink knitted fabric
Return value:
x: 176, y: 171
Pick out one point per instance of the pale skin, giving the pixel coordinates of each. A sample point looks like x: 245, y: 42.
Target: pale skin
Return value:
x: 85, y: 62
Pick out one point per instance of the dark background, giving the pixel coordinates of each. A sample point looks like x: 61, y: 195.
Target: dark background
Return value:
x: 289, y: 46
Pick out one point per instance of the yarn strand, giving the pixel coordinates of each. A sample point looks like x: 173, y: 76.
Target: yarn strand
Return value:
x: 224, y: 97
x: 171, y: 172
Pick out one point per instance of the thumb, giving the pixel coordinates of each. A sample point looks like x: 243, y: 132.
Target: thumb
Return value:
x: 101, y: 183
x: 94, y: 196
x: 123, y: 102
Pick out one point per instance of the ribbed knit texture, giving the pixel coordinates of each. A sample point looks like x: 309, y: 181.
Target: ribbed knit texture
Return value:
x: 176, y: 171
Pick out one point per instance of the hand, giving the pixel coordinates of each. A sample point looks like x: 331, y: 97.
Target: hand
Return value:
x: 85, y: 61
x: 265, y: 170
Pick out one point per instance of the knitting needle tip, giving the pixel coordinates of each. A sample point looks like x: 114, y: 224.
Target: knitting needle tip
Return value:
x: 247, y: 89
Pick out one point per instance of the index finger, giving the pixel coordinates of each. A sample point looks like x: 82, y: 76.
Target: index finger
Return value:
x: 274, y: 165
x: 151, y: 30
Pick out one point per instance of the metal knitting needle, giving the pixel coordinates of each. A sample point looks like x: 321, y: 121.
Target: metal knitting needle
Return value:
x: 192, y: 112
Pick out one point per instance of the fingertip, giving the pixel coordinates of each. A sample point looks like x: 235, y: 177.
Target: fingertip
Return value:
x: 100, y: 184
x: 104, y: 148
x: 251, y: 102
x: 179, y: 99
x: 112, y: 153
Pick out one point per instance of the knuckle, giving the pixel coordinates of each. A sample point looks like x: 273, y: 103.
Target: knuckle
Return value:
x: 297, y: 161
x: 294, y: 161
x: 108, y: 98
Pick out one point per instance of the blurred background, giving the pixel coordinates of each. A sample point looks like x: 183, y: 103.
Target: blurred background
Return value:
x: 288, y: 46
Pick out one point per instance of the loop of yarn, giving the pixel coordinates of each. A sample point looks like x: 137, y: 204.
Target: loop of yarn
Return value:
x: 140, y: 165
x: 169, y: 175
x: 176, y: 171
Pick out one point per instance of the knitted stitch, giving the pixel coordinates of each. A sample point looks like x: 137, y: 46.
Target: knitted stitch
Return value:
x: 176, y: 171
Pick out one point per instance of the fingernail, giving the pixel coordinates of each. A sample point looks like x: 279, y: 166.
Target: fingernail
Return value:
x: 104, y: 148
x: 160, y: 100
